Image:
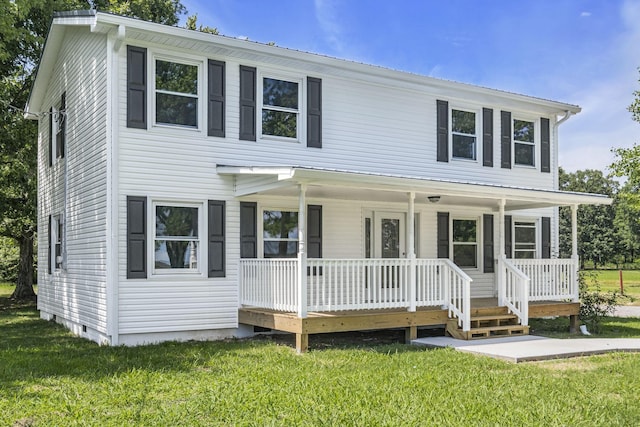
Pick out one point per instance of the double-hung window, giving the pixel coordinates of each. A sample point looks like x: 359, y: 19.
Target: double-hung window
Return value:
x: 524, y: 240
x: 177, y: 237
x: 463, y: 134
x: 465, y: 242
x: 176, y: 93
x: 281, y: 108
x: 524, y: 142
x: 280, y: 233
x: 57, y: 237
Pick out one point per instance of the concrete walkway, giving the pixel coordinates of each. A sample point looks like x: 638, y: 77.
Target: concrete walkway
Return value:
x: 531, y: 348
x: 627, y: 311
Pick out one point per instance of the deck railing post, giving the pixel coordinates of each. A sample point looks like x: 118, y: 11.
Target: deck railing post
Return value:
x: 412, y: 252
x: 302, y: 255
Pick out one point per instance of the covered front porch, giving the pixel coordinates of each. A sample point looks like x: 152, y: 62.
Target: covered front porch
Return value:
x: 387, y: 284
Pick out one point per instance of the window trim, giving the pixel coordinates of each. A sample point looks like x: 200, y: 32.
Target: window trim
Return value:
x: 477, y: 243
x: 201, y: 255
x: 57, y: 239
x: 478, y: 128
x: 538, y: 239
x: 535, y: 143
x: 151, y: 97
x: 301, y: 111
x: 260, y: 226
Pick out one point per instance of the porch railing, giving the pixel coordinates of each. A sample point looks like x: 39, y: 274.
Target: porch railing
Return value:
x: 513, y: 291
x: 457, y: 286
x: 269, y: 283
x: 551, y: 279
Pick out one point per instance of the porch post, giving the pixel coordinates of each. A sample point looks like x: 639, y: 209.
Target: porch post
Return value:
x: 574, y: 250
x: 302, y: 253
x: 500, y: 252
x: 411, y: 252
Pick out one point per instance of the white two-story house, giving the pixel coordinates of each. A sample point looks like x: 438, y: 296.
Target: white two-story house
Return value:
x: 194, y: 186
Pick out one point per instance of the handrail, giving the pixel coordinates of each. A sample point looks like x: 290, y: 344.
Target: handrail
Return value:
x: 458, y: 291
x: 514, y: 290
x: 552, y: 279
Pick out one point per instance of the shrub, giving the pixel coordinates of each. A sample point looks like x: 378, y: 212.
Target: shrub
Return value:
x: 594, y: 303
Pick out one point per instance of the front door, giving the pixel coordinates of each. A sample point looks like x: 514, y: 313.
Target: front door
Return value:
x: 390, y: 235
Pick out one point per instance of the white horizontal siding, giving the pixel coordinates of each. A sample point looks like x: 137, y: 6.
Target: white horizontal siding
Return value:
x: 79, y: 293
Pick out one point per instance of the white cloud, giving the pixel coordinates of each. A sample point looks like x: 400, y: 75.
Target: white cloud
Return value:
x: 585, y: 14
x: 327, y: 17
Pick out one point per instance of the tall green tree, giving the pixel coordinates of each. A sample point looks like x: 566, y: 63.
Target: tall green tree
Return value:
x: 24, y: 25
x: 597, y: 240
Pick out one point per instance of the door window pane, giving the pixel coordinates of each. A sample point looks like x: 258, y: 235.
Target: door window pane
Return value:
x: 390, y: 237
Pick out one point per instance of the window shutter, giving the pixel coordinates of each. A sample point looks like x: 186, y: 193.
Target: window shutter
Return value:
x: 487, y: 137
x: 216, y: 232
x: 136, y: 237
x: 62, y: 127
x: 487, y: 241
x: 314, y: 231
x: 505, y: 139
x: 216, y: 99
x: 136, y: 87
x: 247, y: 103
x: 443, y: 235
x: 546, y: 237
x: 49, y: 260
x: 508, y: 239
x: 248, y: 230
x: 51, y: 135
x: 545, y: 146
x: 314, y: 112
x: 442, y: 123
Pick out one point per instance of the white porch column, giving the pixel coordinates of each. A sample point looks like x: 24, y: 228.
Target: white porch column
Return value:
x: 302, y: 252
x: 499, y: 251
x: 411, y: 251
x: 574, y: 250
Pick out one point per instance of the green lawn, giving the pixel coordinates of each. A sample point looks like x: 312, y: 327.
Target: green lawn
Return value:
x: 49, y: 378
x: 610, y: 281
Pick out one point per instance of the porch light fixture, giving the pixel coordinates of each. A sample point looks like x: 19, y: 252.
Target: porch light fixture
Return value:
x: 434, y: 199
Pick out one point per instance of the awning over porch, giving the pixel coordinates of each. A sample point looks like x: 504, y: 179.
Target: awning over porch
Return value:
x: 354, y: 185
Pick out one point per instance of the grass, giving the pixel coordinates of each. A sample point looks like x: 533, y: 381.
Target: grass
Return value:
x: 610, y: 281
x: 49, y: 378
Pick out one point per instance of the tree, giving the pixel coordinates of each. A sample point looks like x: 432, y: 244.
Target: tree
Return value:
x: 596, y: 233
x: 23, y: 28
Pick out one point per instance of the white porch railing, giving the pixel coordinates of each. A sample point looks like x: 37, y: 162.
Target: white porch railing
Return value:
x: 357, y: 284
x: 513, y: 290
x: 551, y: 279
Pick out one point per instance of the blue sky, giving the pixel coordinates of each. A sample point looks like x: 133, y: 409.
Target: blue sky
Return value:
x: 583, y: 52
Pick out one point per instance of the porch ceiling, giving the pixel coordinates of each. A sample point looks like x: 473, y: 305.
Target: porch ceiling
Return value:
x: 349, y: 185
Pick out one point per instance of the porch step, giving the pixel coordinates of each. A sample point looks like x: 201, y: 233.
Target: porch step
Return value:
x: 488, y: 326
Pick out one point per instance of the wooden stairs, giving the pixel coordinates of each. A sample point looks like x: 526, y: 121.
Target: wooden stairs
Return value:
x: 488, y: 322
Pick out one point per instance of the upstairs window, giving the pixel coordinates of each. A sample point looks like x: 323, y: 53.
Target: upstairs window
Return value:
x: 280, y: 233
x: 280, y: 108
x: 176, y: 241
x: 465, y: 242
x: 176, y: 91
x: 524, y: 240
x: 56, y: 238
x: 463, y: 135
x: 524, y: 142
x: 58, y: 129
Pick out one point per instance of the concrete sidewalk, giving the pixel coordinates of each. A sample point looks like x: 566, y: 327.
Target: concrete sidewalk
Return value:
x: 531, y: 348
x: 627, y: 311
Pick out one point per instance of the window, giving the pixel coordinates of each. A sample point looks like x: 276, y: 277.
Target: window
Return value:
x: 280, y: 234
x: 57, y: 237
x: 524, y: 240
x: 463, y: 134
x: 280, y: 108
x: 465, y: 242
x: 177, y: 239
x: 57, y: 131
x: 176, y: 91
x: 524, y: 142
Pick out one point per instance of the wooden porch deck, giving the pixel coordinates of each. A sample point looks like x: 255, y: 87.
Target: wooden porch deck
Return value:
x: 362, y: 320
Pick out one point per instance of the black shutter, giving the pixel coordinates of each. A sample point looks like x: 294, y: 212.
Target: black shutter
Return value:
x: 508, y: 244
x: 136, y: 87
x: 505, y: 139
x: 49, y: 260
x: 545, y: 146
x: 487, y: 242
x: 443, y: 235
x: 248, y: 230
x: 314, y: 112
x: 62, y: 127
x: 247, y: 103
x: 216, y: 238
x: 487, y: 137
x: 51, y: 135
x: 442, y: 123
x: 136, y: 237
x: 314, y: 231
x: 216, y: 99
x: 546, y: 237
